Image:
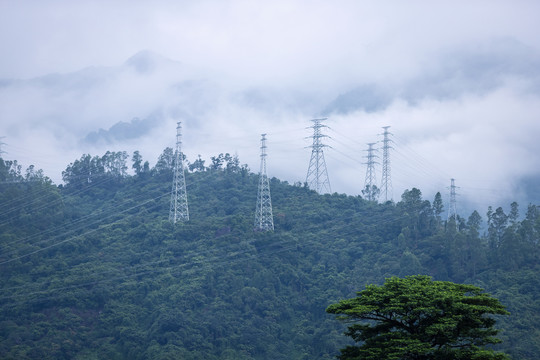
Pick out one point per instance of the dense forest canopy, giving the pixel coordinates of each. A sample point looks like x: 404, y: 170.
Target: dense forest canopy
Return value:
x: 93, y: 269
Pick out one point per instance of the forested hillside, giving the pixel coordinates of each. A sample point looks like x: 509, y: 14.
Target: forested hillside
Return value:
x: 93, y: 269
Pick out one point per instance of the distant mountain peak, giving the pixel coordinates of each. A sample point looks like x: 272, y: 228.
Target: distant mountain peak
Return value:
x: 145, y: 61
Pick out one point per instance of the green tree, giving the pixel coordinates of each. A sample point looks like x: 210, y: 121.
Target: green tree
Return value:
x: 474, y: 223
x: 165, y: 161
x: 217, y: 162
x: 418, y: 318
x: 531, y: 225
x: 371, y: 193
x: 497, y: 222
x: 114, y: 163
x: 474, y: 243
x: 438, y: 208
x: 137, y: 162
x: 198, y: 165
x: 10, y: 170
x: 84, y: 171
x: 417, y: 213
x: 233, y: 163
x: 514, y: 213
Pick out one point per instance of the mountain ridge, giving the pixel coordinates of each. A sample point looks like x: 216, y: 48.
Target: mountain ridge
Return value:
x: 93, y: 268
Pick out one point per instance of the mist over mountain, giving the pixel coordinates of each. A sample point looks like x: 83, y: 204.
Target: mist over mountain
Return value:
x: 91, y: 93
x: 478, y: 69
x: 122, y: 131
x: 146, y: 62
x: 446, y: 119
x: 368, y: 98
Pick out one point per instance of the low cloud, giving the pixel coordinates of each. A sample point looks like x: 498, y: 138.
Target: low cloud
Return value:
x: 462, y: 96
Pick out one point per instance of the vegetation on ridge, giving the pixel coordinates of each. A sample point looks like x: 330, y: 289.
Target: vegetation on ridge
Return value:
x: 93, y: 269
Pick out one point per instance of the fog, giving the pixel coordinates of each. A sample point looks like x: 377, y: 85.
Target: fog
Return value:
x: 458, y: 83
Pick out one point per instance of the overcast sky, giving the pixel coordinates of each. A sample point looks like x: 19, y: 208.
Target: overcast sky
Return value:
x: 457, y: 81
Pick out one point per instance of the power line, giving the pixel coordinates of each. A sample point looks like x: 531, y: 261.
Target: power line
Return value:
x: 43, y: 194
x: 86, y: 221
x: 78, y: 236
x: 215, y: 260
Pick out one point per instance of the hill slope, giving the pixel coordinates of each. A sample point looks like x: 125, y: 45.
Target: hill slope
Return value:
x: 94, y: 269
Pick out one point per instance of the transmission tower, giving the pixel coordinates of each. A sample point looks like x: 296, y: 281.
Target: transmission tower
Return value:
x: 317, y: 175
x: 371, y: 192
x: 179, y: 204
x: 264, y: 220
x: 452, y: 209
x: 386, y: 181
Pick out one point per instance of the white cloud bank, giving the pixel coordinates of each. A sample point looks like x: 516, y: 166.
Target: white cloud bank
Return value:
x: 459, y: 83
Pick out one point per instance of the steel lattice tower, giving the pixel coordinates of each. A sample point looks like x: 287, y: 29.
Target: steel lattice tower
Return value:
x: 452, y: 208
x: 317, y: 175
x: 179, y: 204
x: 371, y: 192
x: 264, y: 220
x: 386, y: 181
